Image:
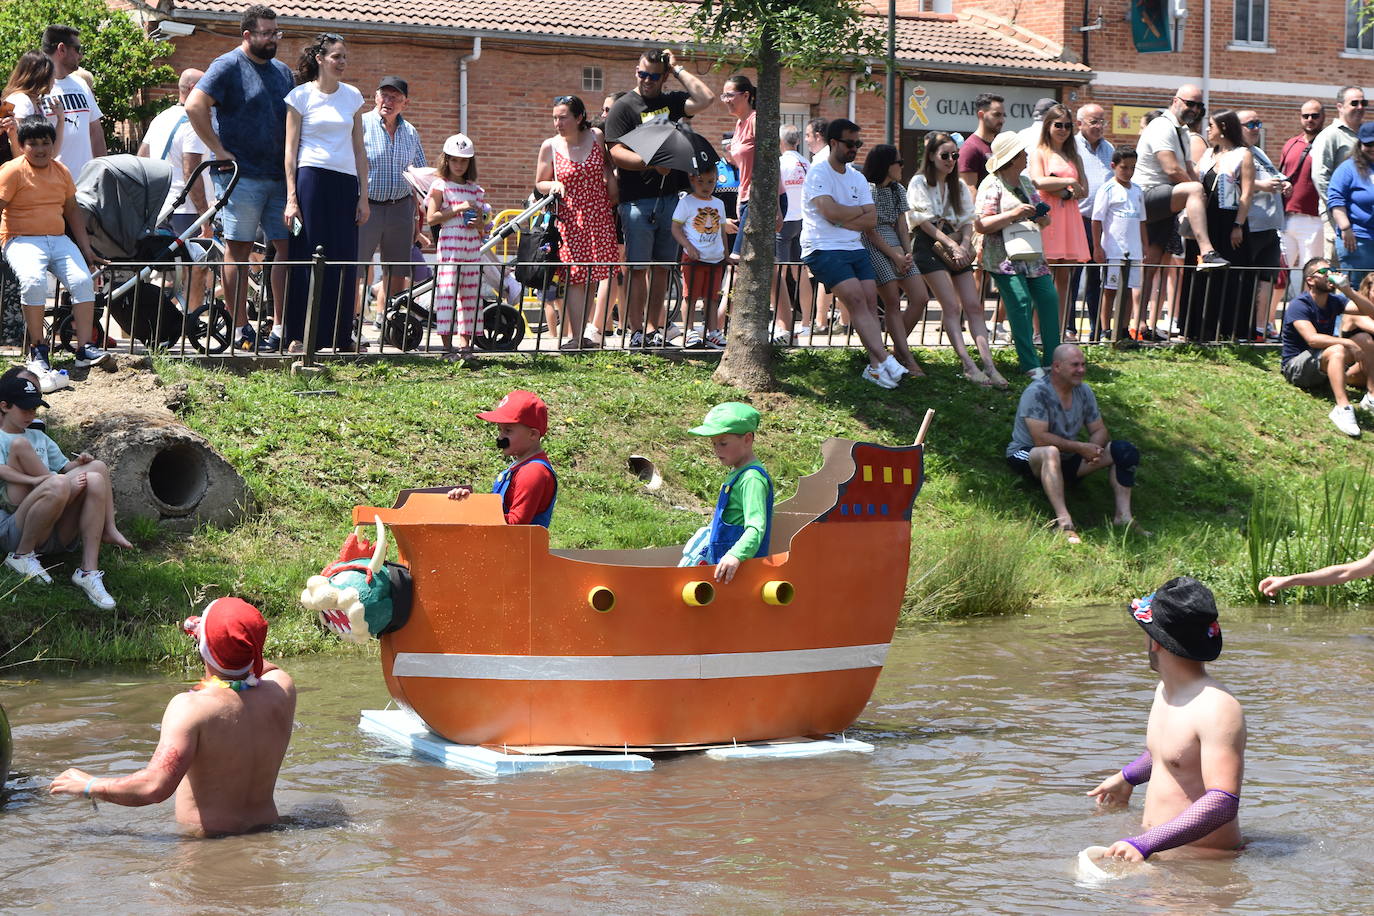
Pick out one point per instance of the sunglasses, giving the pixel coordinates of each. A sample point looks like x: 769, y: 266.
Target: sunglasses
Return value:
x: 1309, y: 116
x: 852, y: 144
x: 646, y: 75
x: 1062, y: 125
x: 949, y: 156
x: 1190, y: 103
x: 562, y: 99
x: 1357, y: 103
x: 1253, y: 125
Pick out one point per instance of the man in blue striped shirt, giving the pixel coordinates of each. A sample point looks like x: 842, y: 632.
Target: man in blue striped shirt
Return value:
x: 393, y: 145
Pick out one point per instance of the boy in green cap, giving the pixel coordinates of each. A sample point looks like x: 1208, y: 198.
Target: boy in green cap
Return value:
x: 743, y: 519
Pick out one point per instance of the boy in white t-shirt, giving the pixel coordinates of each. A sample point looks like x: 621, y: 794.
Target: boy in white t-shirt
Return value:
x: 1119, y: 242
x: 699, y: 226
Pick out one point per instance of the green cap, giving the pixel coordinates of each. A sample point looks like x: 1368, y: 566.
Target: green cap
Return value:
x: 730, y: 417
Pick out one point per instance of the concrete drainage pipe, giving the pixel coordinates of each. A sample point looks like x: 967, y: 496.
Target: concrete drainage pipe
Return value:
x: 166, y: 472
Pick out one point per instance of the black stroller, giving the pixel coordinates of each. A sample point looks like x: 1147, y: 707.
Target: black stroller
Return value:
x: 125, y: 201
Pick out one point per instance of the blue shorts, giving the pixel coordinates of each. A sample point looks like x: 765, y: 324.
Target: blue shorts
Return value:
x: 835, y: 267
x: 255, y: 202
x: 738, y: 248
x: 648, y: 227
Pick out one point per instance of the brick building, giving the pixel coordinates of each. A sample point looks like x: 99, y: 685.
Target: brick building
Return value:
x: 515, y: 56
x: 493, y: 69
x: 1256, y: 54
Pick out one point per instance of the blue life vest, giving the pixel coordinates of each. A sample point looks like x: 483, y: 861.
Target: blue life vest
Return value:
x: 503, y: 482
x: 723, y: 536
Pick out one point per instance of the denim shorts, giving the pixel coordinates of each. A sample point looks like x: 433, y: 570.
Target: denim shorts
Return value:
x: 255, y: 202
x: 738, y: 248
x: 31, y: 257
x: 787, y: 243
x: 648, y: 227
x: 835, y: 267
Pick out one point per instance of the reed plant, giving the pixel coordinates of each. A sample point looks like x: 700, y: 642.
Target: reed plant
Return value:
x: 1322, y: 525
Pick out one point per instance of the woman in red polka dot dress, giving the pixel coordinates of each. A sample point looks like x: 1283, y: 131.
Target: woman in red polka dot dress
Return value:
x: 573, y: 164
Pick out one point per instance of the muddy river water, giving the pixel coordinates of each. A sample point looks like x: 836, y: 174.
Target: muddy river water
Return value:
x: 987, y: 734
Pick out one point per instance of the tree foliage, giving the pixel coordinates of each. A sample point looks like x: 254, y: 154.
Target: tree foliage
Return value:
x: 124, y: 60
x: 811, y: 39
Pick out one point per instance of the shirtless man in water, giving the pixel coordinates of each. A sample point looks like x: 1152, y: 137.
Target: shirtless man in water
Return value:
x: 222, y: 742
x: 1196, y: 734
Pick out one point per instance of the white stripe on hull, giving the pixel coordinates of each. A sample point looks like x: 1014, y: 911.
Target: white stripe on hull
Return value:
x: 638, y: 667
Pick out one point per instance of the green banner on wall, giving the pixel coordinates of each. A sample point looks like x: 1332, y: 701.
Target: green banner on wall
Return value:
x: 1150, y: 27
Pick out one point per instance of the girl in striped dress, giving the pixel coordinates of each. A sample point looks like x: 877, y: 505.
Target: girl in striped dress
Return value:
x: 456, y: 204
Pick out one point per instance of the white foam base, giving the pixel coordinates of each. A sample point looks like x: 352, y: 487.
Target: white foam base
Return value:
x: 402, y: 727
x: 791, y: 749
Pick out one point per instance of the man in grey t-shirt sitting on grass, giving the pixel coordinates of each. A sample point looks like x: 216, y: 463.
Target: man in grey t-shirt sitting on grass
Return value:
x: 1045, y: 446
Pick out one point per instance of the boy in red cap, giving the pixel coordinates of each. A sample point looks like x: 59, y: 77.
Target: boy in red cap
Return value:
x: 222, y: 742
x: 529, y: 487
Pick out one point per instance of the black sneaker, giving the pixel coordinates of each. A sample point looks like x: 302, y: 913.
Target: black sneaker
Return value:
x: 1211, y: 260
x: 272, y: 344
x: 247, y: 339
x: 38, y: 361
x: 654, y: 339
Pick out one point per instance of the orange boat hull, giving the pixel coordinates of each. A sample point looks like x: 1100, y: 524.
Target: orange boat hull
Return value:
x: 505, y: 644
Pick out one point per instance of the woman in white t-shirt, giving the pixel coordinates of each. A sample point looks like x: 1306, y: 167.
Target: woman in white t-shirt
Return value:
x: 326, y: 192
x: 30, y: 80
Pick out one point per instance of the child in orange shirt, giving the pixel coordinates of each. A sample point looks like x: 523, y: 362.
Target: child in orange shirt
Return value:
x: 37, y: 205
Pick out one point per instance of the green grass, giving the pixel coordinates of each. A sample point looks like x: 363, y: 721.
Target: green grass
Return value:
x: 1216, y: 428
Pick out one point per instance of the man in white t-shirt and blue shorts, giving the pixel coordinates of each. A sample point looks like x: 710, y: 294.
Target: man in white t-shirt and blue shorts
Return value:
x: 792, y: 169
x: 837, y: 206
x: 83, y: 138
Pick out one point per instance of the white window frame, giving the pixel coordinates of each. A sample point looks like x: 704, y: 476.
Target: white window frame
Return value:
x: 1249, y: 42
x: 797, y: 113
x: 1363, y: 38
x: 593, y: 79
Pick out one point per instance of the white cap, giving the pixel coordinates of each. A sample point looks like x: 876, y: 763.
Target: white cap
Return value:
x: 459, y: 145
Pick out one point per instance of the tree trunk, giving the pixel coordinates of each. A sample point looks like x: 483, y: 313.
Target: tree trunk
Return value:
x: 748, y: 360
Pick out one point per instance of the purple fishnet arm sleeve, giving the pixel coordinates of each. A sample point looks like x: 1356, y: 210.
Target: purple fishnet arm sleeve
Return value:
x: 1214, y: 809
x: 1138, y: 770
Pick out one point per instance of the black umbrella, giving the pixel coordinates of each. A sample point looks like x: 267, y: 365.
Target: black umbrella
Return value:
x: 671, y: 146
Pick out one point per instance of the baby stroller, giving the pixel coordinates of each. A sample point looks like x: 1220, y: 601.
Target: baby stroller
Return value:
x: 125, y: 201
x: 408, y: 313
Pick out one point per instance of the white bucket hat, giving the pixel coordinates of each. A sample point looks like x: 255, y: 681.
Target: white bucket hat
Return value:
x: 459, y: 145
x: 1006, y: 146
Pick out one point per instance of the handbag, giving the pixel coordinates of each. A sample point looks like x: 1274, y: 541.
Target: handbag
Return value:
x: 1022, y: 241
x: 951, y: 256
x: 537, y: 254
x: 1022, y: 238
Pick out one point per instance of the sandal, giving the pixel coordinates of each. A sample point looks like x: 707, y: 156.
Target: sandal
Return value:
x: 1070, y: 533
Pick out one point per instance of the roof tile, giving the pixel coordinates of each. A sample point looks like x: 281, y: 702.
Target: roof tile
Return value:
x: 933, y: 39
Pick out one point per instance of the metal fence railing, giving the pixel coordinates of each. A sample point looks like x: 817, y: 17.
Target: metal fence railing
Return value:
x: 186, y: 310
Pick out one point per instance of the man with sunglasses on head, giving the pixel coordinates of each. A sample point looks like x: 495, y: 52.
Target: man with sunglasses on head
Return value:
x: 648, y: 196
x: 238, y: 109
x: 1332, y: 147
x: 1321, y: 344
x: 1095, y: 151
x: 84, y: 137
x: 1302, y: 228
x: 1165, y: 171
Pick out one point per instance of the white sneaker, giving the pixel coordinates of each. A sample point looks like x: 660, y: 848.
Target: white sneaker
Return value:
x: 782, y: 337
x: 55, y: 380
x: 1343, y: 417
x: 893, y: 370
x: 715, y: 340
x: 878, y: 377
x: 91, y: 355
x: 27, y: 565
x: 693, y: 340
x: 999, y: 334
x: 93, y: 584
x: 1367, y: 402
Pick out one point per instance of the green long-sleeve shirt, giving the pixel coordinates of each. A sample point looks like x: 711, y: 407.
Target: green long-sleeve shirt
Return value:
x: 747, y: 505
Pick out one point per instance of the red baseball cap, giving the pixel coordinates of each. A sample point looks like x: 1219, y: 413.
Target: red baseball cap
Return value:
x: 520, y: 406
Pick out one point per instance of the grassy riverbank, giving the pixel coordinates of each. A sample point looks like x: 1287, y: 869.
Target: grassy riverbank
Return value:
x: 1215, y: 428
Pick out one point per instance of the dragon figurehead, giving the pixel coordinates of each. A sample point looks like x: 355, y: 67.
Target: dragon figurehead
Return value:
x: 360, y: 596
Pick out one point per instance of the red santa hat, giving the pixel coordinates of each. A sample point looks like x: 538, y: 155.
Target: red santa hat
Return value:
x: 231, y: 634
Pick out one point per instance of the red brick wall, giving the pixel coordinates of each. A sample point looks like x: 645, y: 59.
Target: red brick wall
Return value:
x: 510, y: 90
x: 1046, y: 18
